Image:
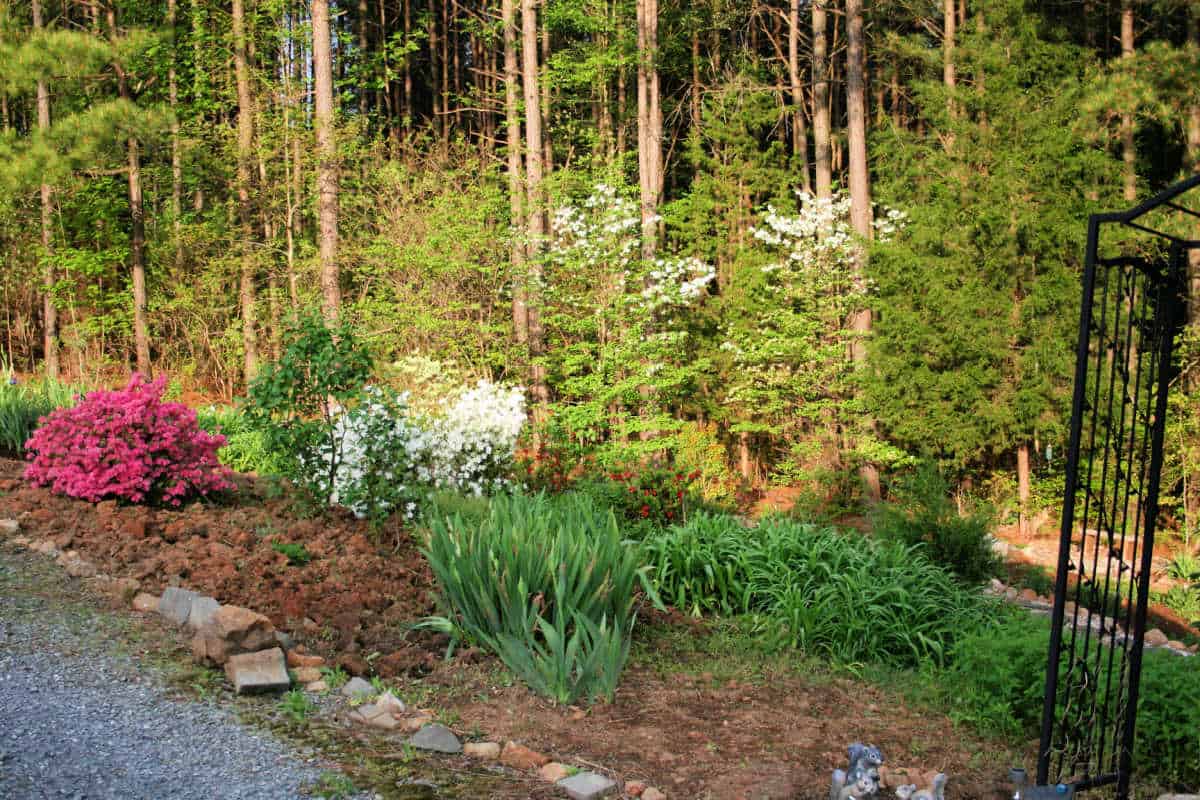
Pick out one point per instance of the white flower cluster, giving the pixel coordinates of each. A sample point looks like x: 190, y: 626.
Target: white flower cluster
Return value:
x: 676, y: 282
x: 600, y: 231
x: 820, y: 236
x: 473, y: 442
x: 384, y: 456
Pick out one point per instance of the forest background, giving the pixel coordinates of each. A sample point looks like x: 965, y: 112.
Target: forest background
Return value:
x: 786, y: 244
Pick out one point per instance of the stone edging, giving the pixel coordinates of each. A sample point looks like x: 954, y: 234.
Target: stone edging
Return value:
x: 1029, y: 599
x: 257, y: 658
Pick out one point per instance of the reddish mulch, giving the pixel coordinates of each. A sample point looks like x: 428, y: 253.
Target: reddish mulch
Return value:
x: 675, y: 726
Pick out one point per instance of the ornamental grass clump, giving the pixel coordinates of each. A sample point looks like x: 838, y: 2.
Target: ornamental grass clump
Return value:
x: 126, y: 445
x: 22, y: 406
x: 546, y: 584
x: 844, y: 596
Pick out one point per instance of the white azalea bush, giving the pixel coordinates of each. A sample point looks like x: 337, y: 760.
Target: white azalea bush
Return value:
x: 385, y: 457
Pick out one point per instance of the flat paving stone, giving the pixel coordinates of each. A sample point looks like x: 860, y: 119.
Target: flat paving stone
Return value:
x: 437, y: 738
x: 588, y: 786
x: 176, y: 604
x: 258, y: 672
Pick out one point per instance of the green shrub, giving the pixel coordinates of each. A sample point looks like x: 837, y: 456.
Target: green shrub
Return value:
x: 997, y: 681
x: 22, y: 405
x: 245, y: 447
x: 922, y: 512
x: 547, y: 584
x: 294, y: 401
x: 845, y: 596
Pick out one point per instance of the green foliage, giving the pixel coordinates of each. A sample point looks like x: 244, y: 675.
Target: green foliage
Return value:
x: 840, y: 595
x: 545, y: 583
x: 245, y: 447
x: 297, y: 555
x: 644, y: 497
x: 22, y: 405
x: 922, y: 513
x: 997, y: 680
x: 293, y: 401
x: 296, y: 705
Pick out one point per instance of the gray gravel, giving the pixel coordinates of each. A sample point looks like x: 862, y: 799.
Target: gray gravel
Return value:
x: 79, y: 720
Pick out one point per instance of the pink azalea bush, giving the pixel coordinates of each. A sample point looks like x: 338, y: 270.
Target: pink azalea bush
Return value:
x: 126, y: 445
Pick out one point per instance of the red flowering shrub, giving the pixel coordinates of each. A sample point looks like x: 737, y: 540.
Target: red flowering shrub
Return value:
x: 654, y: 494
x: 128, y: 445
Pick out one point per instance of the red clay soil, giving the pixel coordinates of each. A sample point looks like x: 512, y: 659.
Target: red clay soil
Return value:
x: 673, y: 724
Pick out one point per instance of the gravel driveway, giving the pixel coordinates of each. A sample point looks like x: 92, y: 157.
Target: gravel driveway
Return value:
x: 80, y: 719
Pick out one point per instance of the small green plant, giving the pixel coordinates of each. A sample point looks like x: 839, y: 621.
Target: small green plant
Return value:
x: 335, y: 786
x: 921, y: 512
x: 296, y: 705
x: 547, y: 584
x: 335, y: 677
x: 297, y: 555
x: 245, y: 447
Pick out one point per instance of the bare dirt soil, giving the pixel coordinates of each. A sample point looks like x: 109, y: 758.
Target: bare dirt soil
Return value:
x: 697, y: 725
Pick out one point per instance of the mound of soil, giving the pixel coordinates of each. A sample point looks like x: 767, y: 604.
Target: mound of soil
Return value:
x: 764, y: 734
x: 354, y: 595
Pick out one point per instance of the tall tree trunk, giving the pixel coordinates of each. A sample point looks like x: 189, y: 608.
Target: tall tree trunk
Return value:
x: 650, y: 166
x: 547, y: 143
x: 695, y: 94
x: 860, y: 191
x: 176, y: 155
x: 245, y: 146
x: 360, y: 24
x: 949, y: 76
x: 1193, y: 162
x: 1023, y: 488
x: 622, y: 106
x: 516, y: 189
x: 49, y: 312
x: 536, y: 211
x: 327, y: 166
x: 137, y: 233
x: 799, y: 129
x: 1128, y: 147
x: 822, y: 149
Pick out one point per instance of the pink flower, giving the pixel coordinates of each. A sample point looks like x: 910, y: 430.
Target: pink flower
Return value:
x: 127, y: 445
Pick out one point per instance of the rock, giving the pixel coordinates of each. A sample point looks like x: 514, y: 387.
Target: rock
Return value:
x: 295, y: 659
x: 307, y: 674
x: 122, y: 590
x: 9, y: 527
x: 284, y: 641
x: 486, y: 751
x: 75, y: 566
x: 357, y: 689
x: 1155, y: 638
x: 437, y: 738
x: 554, y: 772
x: 634, y: 788
x: 390, y: 703
x: 21, y: 541
x: 1175, y: 644
x: 1011, y: 594
x: 176, y: 604
x: 653, y: 794
x: 996, y: 587
x: 374, y: 716
x: 353, y: 664
x: 231, y: 630
x: 1029, y: 595
x: 145, y: 602
x: 202, y: 611
x: 588, y: 786
x: 520, y: 757
x: 257, y: 672
x: 416, y: 722
x: 46, y: 547
x: 316, y: 687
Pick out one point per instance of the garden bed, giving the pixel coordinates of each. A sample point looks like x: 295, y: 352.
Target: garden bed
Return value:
x: 698, y: 723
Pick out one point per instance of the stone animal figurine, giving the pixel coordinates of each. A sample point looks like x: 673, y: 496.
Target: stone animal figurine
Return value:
x: 936, y: 792
x: 861, y: 781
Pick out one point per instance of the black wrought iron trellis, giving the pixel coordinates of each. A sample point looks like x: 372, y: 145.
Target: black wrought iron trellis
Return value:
x: 1134, y: 306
